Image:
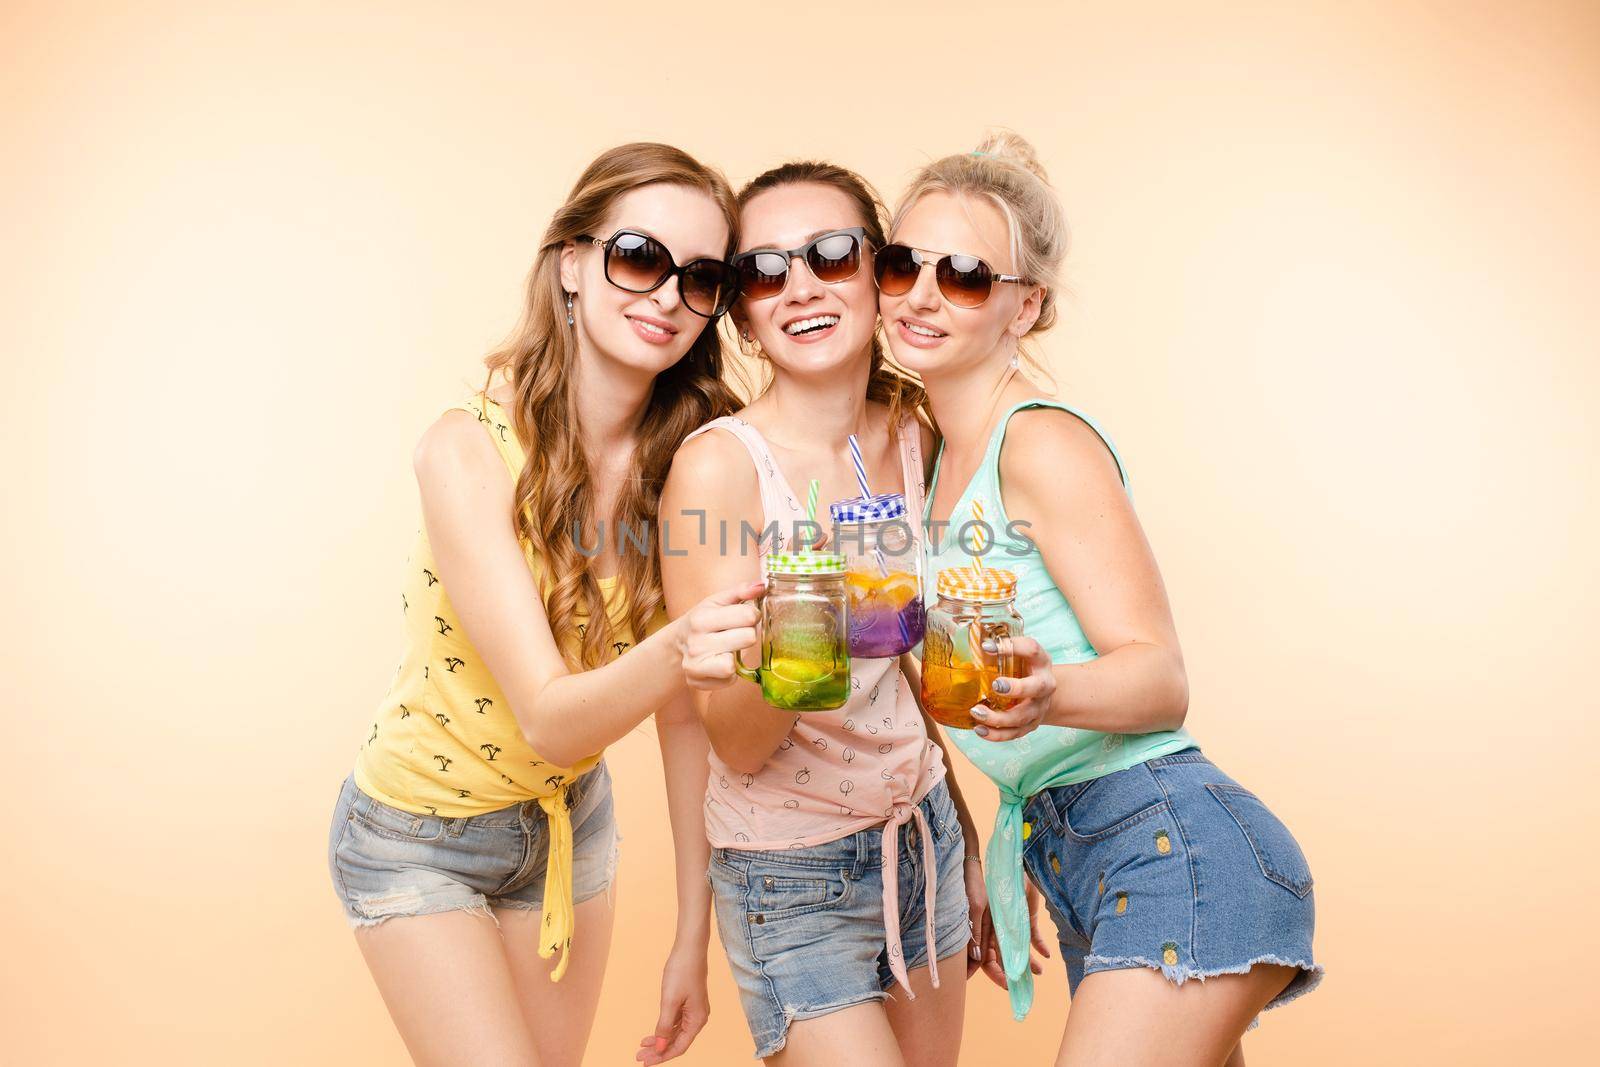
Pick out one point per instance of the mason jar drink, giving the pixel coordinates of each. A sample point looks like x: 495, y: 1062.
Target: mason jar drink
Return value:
x: 883, y: 574
x: 805, y: 649
x: 974, y: 605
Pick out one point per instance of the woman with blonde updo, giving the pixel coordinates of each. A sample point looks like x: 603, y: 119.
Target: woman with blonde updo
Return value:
x: 1157, y: 868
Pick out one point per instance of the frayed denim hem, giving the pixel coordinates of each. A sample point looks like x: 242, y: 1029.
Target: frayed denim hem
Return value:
x: 394, y: 905
x: 774, y: 1044
x: 1310, y: 976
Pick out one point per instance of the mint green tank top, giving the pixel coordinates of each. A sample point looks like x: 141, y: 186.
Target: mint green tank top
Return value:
x: 1051, y: 755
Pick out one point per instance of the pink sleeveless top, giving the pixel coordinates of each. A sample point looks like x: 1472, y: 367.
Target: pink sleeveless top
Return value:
x: 838, y: 772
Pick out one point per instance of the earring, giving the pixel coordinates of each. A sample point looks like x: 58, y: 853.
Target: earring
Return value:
x: 748, y: 337
x: 570, y: 320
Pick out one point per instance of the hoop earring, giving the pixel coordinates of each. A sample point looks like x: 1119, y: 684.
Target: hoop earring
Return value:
x: 570, y: 320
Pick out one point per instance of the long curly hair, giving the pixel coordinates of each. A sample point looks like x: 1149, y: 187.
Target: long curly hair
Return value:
x: 888, y: 383
x: 554, y: 491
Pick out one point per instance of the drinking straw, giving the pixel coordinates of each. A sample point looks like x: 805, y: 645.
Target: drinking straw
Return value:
x: 861, y: 468
x: 979, y: 541
x: 811, y: 504
x: 866, y: 494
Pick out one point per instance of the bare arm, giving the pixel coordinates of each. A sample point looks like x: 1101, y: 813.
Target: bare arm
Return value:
x: 683, y: 760
x: 467, y: 506
x: 1057, y: 473
x: 713, y: 474
x: 685, y: 1005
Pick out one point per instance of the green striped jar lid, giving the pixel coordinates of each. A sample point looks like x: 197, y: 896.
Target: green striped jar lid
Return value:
x: 805, y: 563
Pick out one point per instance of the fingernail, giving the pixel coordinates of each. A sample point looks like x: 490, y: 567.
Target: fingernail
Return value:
x: 988, y: 645
x: 981, y: 731
x: 1002, y: 686
x: 979, y: 713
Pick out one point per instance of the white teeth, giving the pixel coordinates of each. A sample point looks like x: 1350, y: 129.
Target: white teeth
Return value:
x: 922, y: 330
x: 805, y: 325
x: 650, y: 327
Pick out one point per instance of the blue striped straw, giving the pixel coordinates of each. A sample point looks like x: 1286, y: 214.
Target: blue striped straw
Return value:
x: 866, y: 493
x: 861, y: 467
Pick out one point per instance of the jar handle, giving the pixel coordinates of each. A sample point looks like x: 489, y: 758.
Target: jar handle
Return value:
x: 1000, y: 663
x: 753, y: 673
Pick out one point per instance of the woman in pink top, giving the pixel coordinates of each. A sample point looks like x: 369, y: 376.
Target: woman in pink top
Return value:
x: 837, y: 842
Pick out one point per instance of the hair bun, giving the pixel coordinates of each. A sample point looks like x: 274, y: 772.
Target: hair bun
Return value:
x: 1012, y: 147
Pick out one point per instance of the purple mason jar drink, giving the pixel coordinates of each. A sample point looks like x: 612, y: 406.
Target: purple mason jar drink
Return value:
x: 883, y: 574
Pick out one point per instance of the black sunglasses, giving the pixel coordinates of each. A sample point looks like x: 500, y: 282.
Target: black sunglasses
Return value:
x: 966, y: 281
x: 831, y: 257
x: 638, y: 263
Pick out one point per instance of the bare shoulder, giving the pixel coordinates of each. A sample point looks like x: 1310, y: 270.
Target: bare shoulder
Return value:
x: 714, y: 470
x: 1048, y: 450
x: 456, y: 448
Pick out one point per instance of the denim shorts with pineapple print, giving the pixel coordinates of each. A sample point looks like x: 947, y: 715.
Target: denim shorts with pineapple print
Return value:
x: 387, y: 863
x: 1171, y: 865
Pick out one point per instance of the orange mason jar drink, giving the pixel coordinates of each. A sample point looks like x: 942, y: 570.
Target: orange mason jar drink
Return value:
x: 975, y: 604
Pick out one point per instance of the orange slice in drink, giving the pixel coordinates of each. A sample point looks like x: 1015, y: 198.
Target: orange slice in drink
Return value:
x: 899, y: 589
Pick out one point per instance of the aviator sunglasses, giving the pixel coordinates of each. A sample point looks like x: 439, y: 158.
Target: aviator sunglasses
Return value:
x: 831, y: 257
x: 965, y: 281
x: 638, y: 263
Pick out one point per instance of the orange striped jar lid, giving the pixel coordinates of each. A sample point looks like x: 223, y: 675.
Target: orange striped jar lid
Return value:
x: 970, y: 583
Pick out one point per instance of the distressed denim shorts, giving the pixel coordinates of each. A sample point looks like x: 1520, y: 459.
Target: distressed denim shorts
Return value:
x: 388, y: 863
x: 804, y: 930
x: 1174, y: 866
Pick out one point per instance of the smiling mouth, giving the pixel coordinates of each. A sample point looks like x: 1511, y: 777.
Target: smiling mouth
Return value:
x: 801, y: 327
x: 921, y: 330
x: 651, y: 328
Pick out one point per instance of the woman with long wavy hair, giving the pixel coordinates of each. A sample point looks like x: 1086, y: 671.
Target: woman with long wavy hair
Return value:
x: 474, y: 845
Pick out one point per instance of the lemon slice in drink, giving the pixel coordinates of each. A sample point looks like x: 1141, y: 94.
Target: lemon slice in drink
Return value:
x: 798, y: 671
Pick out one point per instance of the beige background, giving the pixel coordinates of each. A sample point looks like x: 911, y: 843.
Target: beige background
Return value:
x: 1334, y: 275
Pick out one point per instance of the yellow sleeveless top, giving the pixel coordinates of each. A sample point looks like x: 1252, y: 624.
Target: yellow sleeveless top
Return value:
x: 445, y: 742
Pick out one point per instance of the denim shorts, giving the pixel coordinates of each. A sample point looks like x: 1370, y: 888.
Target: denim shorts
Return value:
x: 804, y: 930
x: 388, y: 863
x: 1174, y: 866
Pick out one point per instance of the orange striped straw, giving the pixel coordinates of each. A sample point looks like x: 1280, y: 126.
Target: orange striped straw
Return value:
x: 980, y: 542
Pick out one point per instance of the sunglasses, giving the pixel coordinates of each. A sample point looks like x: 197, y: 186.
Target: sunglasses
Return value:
x: 831, y: 257
x: 965, y: 281
x: 638, y: 263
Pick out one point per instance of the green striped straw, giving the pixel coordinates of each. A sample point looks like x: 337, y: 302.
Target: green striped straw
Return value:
x: 811, y: 502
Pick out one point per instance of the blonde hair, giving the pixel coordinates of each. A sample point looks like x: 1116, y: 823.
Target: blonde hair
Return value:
x: 554, y: 491
x: 1005, y: 171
